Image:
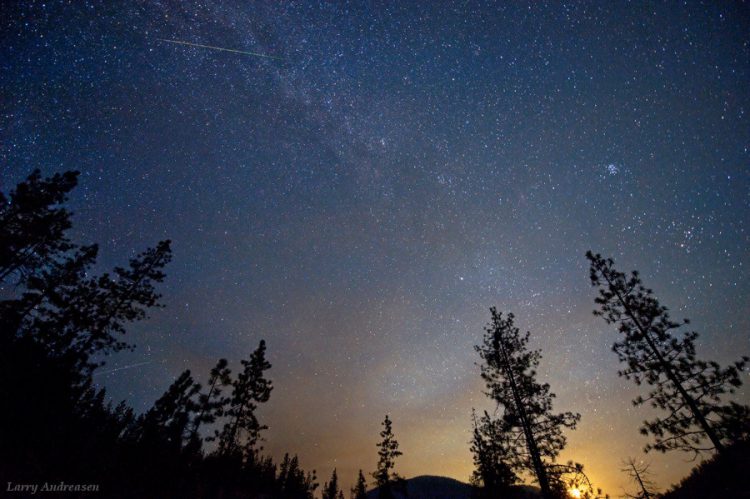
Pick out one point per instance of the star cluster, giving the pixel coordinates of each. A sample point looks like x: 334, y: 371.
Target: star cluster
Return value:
x: 362, y: 199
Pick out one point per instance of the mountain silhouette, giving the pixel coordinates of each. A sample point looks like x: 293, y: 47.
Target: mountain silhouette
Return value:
x: 441, y: 487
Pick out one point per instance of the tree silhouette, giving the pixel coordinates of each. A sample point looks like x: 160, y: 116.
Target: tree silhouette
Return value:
x: 212, y: 404
x: 59, y: 321
x: 293, y: 482
x: 58, y: 304
x: 387, y: 480
x: 80, y: 317
x: 571, y: 477
x: 331, y: 489
x: 509, y: 371
x: 250, y: 388
x: 32, y: 225
x: 490, y: 446
x: 359, y: 491
x: 640, y: 475
x: 166, y: 424
x: 57, y: 324
x: 690, y: 390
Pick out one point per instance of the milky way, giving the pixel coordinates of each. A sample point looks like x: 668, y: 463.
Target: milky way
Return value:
x: 361, y: 201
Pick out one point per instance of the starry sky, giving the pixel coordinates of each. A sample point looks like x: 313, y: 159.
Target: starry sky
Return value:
x: 362, y: 197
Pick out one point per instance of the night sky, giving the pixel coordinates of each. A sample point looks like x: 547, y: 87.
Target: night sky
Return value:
x: 362, y: 198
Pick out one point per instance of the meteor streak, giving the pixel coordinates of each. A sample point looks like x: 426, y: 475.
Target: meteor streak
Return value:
x: 124, y: 367
x: 179, y: 42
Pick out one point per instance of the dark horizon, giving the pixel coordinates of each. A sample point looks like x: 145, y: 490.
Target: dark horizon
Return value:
x: 360, y: 198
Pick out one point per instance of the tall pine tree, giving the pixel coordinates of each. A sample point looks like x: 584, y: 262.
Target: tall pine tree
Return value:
x: 689, y: 390
x: 386, y: 479
x: 509, y: 371
x: 242, y: 432
x: 212, y: 404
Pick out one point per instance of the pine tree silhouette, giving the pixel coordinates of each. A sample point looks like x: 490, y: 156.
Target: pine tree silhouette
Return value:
x: 295, y: 483
x: 493, y: 476
x: 386, y: 479
x: 509, y: 371
x: 359, y: 491
x: 58, y: 323
x: 32, y: 225
x: 331, y: 489
x: 212, y: 404
x: 167, y: 423
x: 251, y: 388
x: 688, y: 389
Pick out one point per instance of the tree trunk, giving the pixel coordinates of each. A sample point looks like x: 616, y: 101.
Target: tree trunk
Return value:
x: 536, y: 458
x: 673, y: 377
x: 646, y: 495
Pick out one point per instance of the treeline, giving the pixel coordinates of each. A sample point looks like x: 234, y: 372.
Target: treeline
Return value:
x: 59, y: 322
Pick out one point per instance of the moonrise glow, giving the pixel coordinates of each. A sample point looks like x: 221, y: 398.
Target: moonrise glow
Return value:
x: 357, y: 183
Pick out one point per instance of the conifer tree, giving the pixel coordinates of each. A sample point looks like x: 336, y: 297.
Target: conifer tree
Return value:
x: 118, y: 299
x: 386, y: 479
x: 295, y: 483
x: 80, y: 317
x: 331, y: 489
x: 212, y: 404
x: 493, y: 476
x: 168, y: 420
x: 74, y: 315
x: 242, y: 431
x: 359, y: 491
x: 45, y: 293
x: 59, y: 321
x: 689, y: 390
x: 284, y: 471
x: 33, y: 225
x: 509, y: 371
